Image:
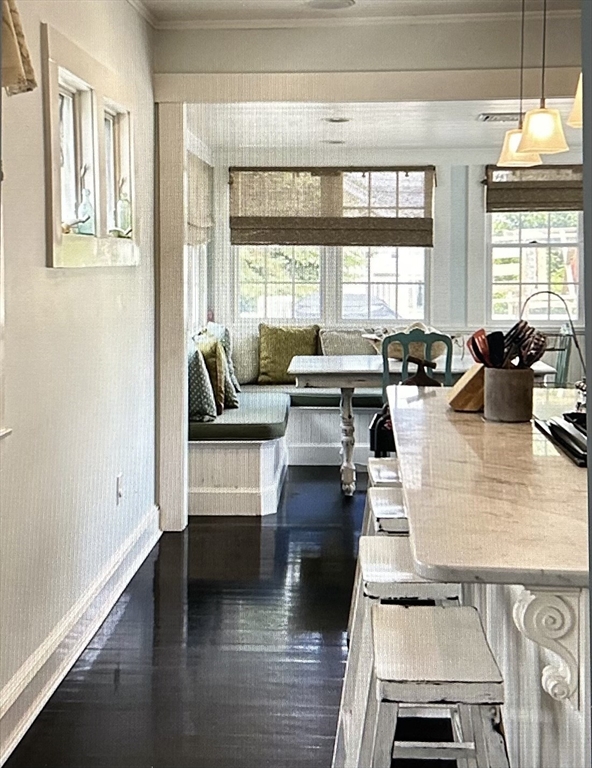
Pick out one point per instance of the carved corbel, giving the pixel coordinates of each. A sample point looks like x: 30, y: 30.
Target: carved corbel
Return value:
x: 549, y: 618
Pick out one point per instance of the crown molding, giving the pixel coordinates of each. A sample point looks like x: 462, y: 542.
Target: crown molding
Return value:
x: 139, y: 6
x: 457, y: 18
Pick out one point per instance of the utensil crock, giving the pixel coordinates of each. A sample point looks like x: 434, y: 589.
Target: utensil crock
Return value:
x: 508, y: 394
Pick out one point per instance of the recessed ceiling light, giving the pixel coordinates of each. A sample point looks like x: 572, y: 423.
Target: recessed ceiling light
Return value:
x: 331, y: 5
x: 333, y: 141
x: 337, y: 119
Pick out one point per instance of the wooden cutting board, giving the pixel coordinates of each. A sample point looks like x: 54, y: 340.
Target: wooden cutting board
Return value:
x: 467, y: 393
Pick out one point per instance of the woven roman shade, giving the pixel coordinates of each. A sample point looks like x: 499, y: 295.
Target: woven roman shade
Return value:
x: 199, y: 209
x: 543, y: 188
x: 332, y: 206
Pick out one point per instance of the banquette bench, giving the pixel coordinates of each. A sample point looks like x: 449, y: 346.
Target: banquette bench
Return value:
x: 237, y: 463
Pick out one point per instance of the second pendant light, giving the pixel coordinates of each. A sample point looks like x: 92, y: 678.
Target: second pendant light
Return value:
x: 543, y: 131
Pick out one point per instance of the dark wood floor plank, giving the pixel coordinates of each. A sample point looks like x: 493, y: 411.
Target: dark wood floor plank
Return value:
x: 227, y: 649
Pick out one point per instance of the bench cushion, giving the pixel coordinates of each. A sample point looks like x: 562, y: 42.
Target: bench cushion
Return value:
x: 320, y: 398
x: 261, y: 415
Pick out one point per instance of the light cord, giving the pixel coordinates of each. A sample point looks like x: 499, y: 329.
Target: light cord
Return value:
x: 544, y: 57
x: 571, y: 325
x: 522, y: 64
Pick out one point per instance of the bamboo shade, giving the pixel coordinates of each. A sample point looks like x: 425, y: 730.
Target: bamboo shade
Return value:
x: 543, y: 188
x: 332, y: 206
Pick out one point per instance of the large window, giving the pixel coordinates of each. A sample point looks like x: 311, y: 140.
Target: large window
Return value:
x: 331, y: 244
x: 279, y: 281
x: 535, y: 251
x: 381, y: 283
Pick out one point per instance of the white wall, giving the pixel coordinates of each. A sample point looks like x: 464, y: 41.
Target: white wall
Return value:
x: 79, y: 358
x: 457, y: 43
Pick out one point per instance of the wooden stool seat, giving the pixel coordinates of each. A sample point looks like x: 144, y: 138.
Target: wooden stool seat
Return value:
x: 433, y: 656
x: 387, y: 510
x: 384, y: 473
x: 387, y: 572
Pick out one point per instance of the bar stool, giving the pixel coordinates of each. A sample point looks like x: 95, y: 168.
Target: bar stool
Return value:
x: 433, y: 657
x: 387, y: 575
x: 384, y: 473
x: 384, y: 512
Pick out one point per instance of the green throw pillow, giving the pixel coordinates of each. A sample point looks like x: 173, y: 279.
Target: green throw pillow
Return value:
x: 222, y: 334
x: 215, y: 360
x: 202, y: 405
x: 278, y: 345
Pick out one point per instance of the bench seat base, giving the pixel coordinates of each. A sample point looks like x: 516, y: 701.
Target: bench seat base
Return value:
x: 236, y: 477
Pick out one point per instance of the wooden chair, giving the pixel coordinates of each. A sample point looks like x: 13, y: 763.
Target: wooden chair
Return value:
x: 405, y: 339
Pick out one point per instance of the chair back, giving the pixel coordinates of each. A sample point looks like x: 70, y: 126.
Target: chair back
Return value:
x: 405, y: 339
x: 560, y: 344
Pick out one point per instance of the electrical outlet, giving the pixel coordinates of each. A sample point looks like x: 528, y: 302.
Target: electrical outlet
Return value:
x: 119, y: 488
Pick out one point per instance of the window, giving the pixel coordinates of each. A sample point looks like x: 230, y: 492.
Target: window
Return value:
x: 68, y: 159
x: 76, y: 132
x: 110, y: 169
x: 279, y: 281
x: 331, y: 244
x: 381, y: 283
x: 89, y: 168
x: 535, y: 251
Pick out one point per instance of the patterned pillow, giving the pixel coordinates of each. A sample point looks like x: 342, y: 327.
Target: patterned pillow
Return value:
x: 278, y: 345
x: 222, y: 334
x: 202, y: 406
x: 345, y: 342
x: 215, y: 360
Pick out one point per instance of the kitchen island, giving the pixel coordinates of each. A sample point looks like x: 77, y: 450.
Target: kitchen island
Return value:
x: 499, y: 509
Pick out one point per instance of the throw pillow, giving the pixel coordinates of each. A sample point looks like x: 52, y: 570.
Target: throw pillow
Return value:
x: 215, y: 363
x: 278, y: 345
x: 202, y: 405
x: 345, y: 342
x: 222, y: 334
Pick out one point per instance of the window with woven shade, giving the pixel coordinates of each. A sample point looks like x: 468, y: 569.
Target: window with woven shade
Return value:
x: 331, y: 244
x: 535, y: 241
x: 332, y: 206
x: 543, y: 188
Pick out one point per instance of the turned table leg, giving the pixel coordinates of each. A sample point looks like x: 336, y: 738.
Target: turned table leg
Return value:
x: 348, y: 469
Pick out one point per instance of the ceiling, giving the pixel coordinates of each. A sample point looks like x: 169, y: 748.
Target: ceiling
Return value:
x: 402, y: 125
x: 255, y: 13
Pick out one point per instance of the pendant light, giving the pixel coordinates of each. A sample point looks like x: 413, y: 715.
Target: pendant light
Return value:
x: 576, y: 119
x: 543, y: 131
x: 510, y: 157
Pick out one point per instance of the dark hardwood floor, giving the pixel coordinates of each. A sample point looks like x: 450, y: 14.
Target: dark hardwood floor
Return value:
x: 227, y: 649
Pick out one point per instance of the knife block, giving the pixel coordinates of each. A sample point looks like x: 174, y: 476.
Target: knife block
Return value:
x: 468, y: 392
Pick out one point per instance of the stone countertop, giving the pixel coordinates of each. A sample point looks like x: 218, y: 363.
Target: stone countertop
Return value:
x: 490, y: 502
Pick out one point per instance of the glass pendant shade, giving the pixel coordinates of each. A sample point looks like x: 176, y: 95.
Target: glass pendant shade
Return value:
x: 575, y: 119
x: 511, y: 158
x: 542, y: 132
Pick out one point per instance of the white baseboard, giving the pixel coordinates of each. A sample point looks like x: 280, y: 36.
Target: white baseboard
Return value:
x: 327, y: 455
x: 27, y: 692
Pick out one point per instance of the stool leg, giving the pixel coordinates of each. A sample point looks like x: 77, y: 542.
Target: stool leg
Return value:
x: 463, y: 727
x: 366, y: 745
x: 357, y: 679
x: 384, y: 734
x: 489, y: 741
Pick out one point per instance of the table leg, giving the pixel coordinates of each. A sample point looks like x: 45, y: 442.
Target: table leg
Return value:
x: 348, y: 469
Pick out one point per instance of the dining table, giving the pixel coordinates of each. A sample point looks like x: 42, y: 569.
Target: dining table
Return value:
x: 351, y: 372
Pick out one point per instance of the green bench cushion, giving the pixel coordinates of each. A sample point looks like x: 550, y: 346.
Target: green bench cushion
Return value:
x: 321, y: 398
x: 261, y: 415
